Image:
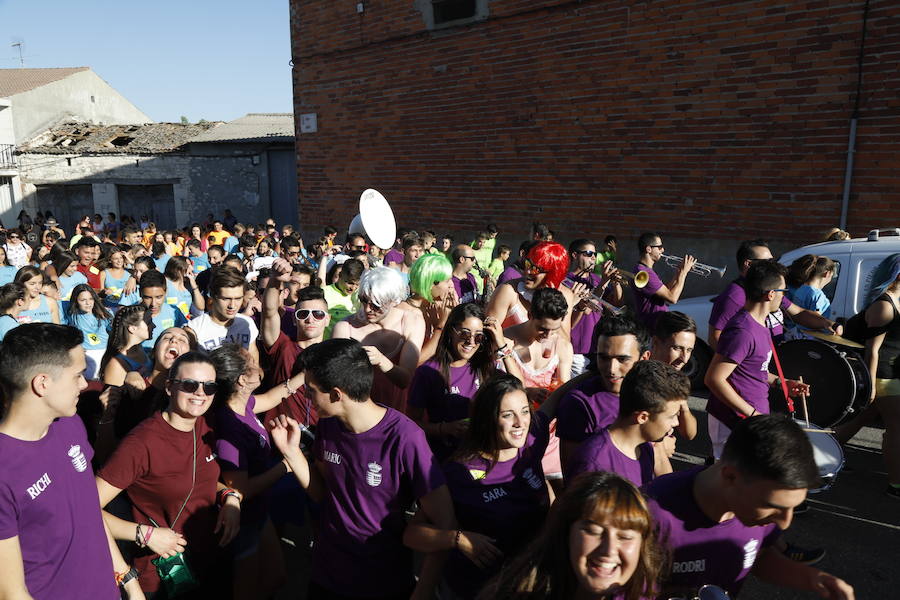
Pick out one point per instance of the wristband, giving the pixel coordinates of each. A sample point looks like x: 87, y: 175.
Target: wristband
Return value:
x: 288, y: 388
x: 124, y: 578
x: 225, y: 492
x: 504, y: 352
x: 139, y: 538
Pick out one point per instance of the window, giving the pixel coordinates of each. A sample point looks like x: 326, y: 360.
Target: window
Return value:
x: 448, y: 13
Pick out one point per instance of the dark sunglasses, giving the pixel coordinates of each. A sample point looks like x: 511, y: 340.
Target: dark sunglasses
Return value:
x: 782, y: 290
x: 531, y: 268
x: 465, y: 334
x: 304, y: 313
x: 588, y: 253
x: 365, y: 300
x: 190, y: 386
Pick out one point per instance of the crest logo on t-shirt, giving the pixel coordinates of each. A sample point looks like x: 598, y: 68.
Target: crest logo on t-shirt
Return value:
x: 477, y: 474
x: 765, y: 365
x: 373, y: 475
x: 750, y: 550
x: 78, y: 459
x: 533, y: 480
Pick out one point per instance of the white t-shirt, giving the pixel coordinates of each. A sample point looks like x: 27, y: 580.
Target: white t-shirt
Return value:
x: 243, y: 331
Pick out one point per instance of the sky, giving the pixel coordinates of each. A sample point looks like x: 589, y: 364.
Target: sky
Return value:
x: 204, y: 59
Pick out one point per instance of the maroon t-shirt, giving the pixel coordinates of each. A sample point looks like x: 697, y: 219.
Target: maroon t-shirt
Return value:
x: 93, y: 275
x: 282, y: 355
x: 153, y: 465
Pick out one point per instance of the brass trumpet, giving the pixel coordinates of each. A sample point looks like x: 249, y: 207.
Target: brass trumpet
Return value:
x: 698, y: 269
x: 639, y: 279
x: 594, y: 297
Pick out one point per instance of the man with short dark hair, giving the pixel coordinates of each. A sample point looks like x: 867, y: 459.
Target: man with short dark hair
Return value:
x: 290, y: 249
x: 341, y: 295
x: 729, y: 302
x: 673, y: 339
x: 738, y: 376
x: 650, y: 400
x: 591, y: 401
x: 651, y: 299
x: 53, y: 542
x: 152, y: 288
x: 722, y: 522
x: 87, y: 250
x: 223, y: 323
x: 371, y: 463
x: 411, y: 245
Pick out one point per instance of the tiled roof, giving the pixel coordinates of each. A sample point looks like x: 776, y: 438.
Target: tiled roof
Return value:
x: 254, y: 127
x: 87, y: 138
x: 16, y: 81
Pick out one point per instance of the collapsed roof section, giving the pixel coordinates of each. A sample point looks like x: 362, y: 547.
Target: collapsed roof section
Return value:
x: 85, y: 138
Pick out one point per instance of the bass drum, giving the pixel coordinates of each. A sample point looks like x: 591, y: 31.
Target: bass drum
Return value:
x: 839, y: 381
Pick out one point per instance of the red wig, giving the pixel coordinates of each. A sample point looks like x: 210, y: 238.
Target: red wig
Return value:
x: 552, y: 258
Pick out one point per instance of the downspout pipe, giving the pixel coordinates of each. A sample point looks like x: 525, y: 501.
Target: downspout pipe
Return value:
x: 854, y: 120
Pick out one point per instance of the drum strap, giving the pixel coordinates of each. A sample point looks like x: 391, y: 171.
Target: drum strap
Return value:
x: 784, y: 388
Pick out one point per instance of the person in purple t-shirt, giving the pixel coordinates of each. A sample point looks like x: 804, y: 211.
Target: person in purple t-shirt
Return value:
x: 651, y: 299
x: 497, y: 484
x: 371, y: 463
x: 442, y: 388
x: 730, y: 301
x: 738, y: 376
x: 650, y: 401
x: 590, y: 402
x: 582, y: 260
x: 721, y: 522
x: 598, y: 542
x: 463, y: 260
x: 245, y: 457
x: 53, y: 543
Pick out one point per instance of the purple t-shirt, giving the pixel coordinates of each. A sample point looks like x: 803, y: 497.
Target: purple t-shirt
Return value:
x: 508, y: 274
x: 242, y: 444
x: 729, y: 302
x: 703, y: 551
x: 393, y: 256
x: 585, y: 409
x: 583, y: 331
x: 647, y: 304
x: 749, y: 345
x: 48, y: 498
x: 466, y: 290
x: 507, y: 503
x: 371, y: 478
x: 599, y: 453
x: 429, y: 391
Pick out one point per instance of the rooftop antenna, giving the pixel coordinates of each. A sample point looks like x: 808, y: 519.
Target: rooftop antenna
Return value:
x: 21, y: 58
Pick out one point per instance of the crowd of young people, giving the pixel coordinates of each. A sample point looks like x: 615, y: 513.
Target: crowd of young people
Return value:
x: 514, y: 429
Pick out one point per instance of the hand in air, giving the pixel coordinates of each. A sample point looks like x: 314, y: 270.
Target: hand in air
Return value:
x: 286, y: 434
x: 282, y: 270
x: 689, y: 262
x: 377, y: 358
x: 494, y: 331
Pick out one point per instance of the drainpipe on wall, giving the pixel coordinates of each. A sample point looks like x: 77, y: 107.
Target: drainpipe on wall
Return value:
x: 854, y: 120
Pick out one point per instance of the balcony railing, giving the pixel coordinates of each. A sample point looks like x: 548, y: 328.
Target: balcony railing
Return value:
x: 7, y: 156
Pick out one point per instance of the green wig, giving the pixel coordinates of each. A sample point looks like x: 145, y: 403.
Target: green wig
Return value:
x: 427, y: 271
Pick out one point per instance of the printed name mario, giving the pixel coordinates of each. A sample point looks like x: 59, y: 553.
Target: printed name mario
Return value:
x: 39, y: 486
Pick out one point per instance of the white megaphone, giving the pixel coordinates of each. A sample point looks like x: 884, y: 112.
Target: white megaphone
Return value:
x: 375, y: 219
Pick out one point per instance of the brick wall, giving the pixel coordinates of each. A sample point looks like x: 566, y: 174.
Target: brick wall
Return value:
x: 709, y: 120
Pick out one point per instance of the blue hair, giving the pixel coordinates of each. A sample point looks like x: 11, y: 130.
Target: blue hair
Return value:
x: 884, y: 275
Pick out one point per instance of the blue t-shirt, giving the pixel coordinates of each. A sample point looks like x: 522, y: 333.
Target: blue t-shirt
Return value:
x: 161, y: 262
x: 168, y: 316
x: 811, y: 298
x: 231, y: 243
x: 117, y: 287
x: 201, y: 263
x: 180, y: 299
x: 7, y: 274
x: 96, y: 331
x: 67, y: 283
x: 7, y: 323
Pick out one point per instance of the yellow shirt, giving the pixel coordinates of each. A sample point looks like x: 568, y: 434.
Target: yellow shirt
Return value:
x: 217, y: 237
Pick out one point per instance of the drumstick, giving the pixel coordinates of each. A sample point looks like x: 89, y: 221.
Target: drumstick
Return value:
x: 803, y: 399
x: 810, y: 430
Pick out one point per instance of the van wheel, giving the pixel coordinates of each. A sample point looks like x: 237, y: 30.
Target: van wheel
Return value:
x: 695, y: 368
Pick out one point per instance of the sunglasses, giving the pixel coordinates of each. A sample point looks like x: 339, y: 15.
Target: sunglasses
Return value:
x: 588, y: 253
x: 782, y: 290
x: 465, y: 334
x: 531, y: 268
x: 365, y: 300
x: 304, y: 313
x: 190, y: 386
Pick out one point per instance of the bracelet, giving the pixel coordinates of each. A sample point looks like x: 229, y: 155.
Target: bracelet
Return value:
x: 753, y: 413
x: 123, y: 578
x: 149, y: 533
x: 456, y: 538
x: 288, y: 388
x: 504, y: 353
x: 225, y: 492
x: 139, y: 538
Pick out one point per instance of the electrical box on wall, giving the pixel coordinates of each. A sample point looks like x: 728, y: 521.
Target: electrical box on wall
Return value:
x: 308, y: 123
